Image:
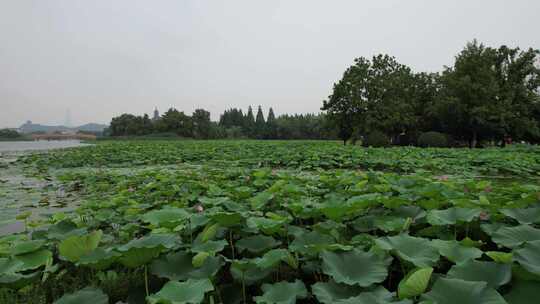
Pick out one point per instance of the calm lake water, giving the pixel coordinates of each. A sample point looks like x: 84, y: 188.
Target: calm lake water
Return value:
x: 11, y: 146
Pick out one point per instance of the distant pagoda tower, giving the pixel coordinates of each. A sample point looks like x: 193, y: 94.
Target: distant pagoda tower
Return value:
x: 156, y: 114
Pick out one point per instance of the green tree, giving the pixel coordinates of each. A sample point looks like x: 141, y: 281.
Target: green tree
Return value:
x: 201, y: 124
x: 470, y: 106
x: 260, y: 125
x: 271, y: 126
x: 177, y: 122
x: 249, y: 123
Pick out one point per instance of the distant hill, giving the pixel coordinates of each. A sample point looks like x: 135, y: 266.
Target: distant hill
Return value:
x: 30, y: 127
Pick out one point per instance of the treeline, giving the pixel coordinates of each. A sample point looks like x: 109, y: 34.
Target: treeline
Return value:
x: 233, y: 123
x: 489, y: 94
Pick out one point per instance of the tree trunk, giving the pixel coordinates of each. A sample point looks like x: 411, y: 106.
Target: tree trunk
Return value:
x: 474, y: 140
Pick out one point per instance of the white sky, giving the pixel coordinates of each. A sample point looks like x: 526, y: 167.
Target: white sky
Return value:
x: 101, y: 58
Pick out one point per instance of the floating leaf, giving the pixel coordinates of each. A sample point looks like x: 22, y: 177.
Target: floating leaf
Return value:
x: 26, y: 247
x: 369, y: 268
x: 188, y: 292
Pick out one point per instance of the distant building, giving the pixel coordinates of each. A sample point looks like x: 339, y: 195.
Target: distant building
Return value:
x: 156, y: 114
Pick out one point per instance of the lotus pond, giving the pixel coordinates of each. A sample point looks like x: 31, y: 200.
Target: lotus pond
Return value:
x: 277, y: 222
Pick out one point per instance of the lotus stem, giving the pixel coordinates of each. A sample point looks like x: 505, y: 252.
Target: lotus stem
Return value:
x: 231, y: 242
x: 146, y: 280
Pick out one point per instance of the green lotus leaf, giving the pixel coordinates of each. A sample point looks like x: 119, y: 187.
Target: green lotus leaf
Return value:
x: 87, y: 295
x: 10, y: 265
x: 515, y: 236
x: 455, y: 252
x: 452, y: 216
x: 266, y: 225
x: 494, y: 274
x: 389, y: 223
x: 311, y: 243
x: 64, y: 229
x: 208, y: 233
x: 256, y: 243
x: 524, y: 216
x: 529, y: 257
x: 74, y: 247
x: 500, y: 257
x: 189, y: 292
x: 378, y: 296
x: 418, y: 251
x: 33, y: 260
x: 17, y: 280
x: 331, y: 292
x: 167, y: 217
x: 99, y: 259
x: 414, y: 283
x: 452, y: 291
x: 522, y: 292
x: 227, y: 219
x: 260, y: 200
x: 210, y: 246
x: 282, y: 293
x: 26, y: 247
x: 247, y: 271
x: 272, y: 258
x: 179, y: 266
x: 199, y: 259
x: 369, y: 267
x: 141, y: 251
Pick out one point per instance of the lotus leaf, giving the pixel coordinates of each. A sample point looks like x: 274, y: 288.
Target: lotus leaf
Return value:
x: 455, y: 252
x: 524, y: 216
x: 452, y: 216
x: 331, y: 292
x: 515, y: 236
x: 167, y: 217
x: 188, y: 292
x: 414, y: 283
x: 417, y: 251
x: 179, y: 266
x: 282, y: 293
x: 355, y: 267
x: 452, y: 291
x: 74, y: 247
x: 87, y: 295
x: 256, y: 243
x: 494, y: 274
x: 529, y: 257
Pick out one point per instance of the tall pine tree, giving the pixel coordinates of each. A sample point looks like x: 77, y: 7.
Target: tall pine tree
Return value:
x: 260, y: 125
x: 271, y: 126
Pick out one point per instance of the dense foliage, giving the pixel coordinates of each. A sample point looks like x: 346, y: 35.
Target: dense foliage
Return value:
x: 488, y: 94
x: 433, y: 139
x: 224, y: 230
x: 233, y: 124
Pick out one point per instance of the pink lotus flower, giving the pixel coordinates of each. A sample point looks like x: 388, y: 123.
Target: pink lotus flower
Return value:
x: 130, y: 189
x: 488, y: 189
x: 443, y: 178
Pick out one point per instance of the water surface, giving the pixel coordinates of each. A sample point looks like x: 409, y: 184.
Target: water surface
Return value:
x: 11, y: 146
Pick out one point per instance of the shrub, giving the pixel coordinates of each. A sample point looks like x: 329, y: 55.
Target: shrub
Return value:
x: 432, y: 139
x: 376, y: 139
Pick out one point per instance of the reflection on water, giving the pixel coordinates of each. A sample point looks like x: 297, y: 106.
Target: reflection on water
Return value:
x: 10, y: 146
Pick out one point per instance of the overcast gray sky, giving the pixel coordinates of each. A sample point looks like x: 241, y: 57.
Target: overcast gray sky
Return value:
x: 100, y: 58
